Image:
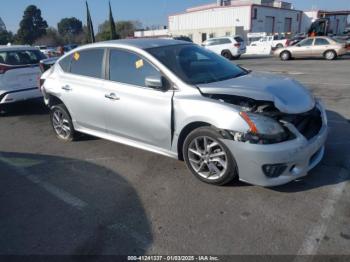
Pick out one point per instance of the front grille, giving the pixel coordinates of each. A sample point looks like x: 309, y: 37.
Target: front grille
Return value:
x: 308, y: 124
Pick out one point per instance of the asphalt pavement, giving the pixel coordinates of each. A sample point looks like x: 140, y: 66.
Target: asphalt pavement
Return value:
x: 98, y: 197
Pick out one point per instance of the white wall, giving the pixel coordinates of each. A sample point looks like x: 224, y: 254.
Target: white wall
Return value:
x: 151, y: 33
x: 259, y: 24
x: 211, y: 18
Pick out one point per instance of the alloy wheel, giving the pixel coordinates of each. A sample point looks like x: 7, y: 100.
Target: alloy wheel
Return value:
x: 61, y: 124
x: 207, y: 157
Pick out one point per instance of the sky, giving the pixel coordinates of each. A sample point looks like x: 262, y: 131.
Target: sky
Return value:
x: 148, y: 12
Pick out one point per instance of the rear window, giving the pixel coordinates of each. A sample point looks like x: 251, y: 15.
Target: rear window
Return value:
x: 65, y: 63
x: 21, y: 57
x: 239, y: 39
x: 87, y: 62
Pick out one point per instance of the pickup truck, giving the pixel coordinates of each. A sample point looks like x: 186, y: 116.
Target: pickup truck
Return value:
x: 272, y: 41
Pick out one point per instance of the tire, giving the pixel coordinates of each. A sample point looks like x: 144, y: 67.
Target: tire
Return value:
x: 285, y: 56
x: 62, y: 123
x: 227, y: 54
x: 330, y: 55
x: 215, y: 165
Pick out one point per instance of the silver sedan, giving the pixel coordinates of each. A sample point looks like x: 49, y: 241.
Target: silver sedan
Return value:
x: 320, y: 46
x: 180, y: 100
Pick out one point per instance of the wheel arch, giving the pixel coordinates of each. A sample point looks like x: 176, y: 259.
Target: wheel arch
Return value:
x: 330, y: 50
x: 184, y: 133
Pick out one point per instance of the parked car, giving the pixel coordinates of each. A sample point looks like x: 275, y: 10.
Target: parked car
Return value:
x: 48, y: 51
x: 321, y: 46
x: 274, y: 41
x: 180, y: 100
x: 182, y: 38
x: 47, y: 63
x: 229, y: 47
x: 19, y: 74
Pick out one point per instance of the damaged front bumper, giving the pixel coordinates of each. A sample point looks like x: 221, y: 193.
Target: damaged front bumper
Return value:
x: 299, y: 156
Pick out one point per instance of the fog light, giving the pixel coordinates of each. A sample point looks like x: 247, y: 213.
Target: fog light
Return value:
x: 274, y: 170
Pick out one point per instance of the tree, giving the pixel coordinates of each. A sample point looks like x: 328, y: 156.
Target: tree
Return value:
x: 5, y: 37
x: 89, y: 25
x: 124, y: 29
x: 112, y: 24
x: 51, y: 38
x: 68, y: 27
x: 32, y: 26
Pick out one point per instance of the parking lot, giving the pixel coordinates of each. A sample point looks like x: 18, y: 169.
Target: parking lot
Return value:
x: 97, y: 197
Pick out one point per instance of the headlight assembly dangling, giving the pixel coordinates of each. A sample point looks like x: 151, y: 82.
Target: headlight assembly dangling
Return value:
x: 262, y: 130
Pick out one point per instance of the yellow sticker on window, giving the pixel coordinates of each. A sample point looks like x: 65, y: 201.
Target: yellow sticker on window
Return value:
x: 76, y: 56
x: 139, y: 64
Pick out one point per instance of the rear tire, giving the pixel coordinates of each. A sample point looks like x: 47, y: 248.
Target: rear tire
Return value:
x: 330, y: 55
x: 285, y: 56
x: 62, y: 123
x: 208, y: 158
x: 227, y: 54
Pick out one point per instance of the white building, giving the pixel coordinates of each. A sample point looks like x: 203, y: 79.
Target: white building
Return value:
x: 152, y: 33
x: 235, y: 17
x: 338, y: 20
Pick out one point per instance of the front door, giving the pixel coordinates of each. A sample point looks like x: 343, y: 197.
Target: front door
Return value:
x: 135, y: 111
x: 304, y: 48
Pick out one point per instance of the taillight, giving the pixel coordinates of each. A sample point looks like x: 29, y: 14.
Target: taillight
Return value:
x: 4, y: 68
x: 237, y: 44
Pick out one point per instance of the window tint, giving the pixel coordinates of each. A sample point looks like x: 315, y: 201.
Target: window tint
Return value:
x: 223, y: 41
x: 306, y: 42
x: 65, y: 63
x: 22, y: 57
x: 87, y: 62
x: 321, y: 41
x: 129, y: 68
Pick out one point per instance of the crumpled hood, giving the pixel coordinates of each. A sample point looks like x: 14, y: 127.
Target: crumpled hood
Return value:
x: 288, y: 95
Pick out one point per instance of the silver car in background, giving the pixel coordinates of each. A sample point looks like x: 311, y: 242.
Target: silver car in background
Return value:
x: 320, y: 46
x: 178, y: 99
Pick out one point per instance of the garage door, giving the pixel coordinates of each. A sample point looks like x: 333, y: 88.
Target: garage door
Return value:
x: 269, y: 24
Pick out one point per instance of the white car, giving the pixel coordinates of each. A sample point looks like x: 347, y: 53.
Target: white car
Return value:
x: 229, y: 47
x: 273, y: 41
x: 19, y: 74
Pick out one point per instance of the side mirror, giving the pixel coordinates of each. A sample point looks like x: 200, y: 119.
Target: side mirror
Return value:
x: 157, y: 82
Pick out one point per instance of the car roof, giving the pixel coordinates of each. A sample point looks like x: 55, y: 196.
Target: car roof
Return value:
x: 144, y: 43
x: 16, y: 47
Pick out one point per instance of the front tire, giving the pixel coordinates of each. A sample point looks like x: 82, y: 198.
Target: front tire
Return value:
x: 62, y: 123
x: 285, y: 56
x: 208, y: 158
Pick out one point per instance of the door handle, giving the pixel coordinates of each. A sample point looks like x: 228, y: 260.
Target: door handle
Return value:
x: 112, y: 96
x: 66, y: 87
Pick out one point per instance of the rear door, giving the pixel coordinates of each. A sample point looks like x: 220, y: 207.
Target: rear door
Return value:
x: 320, y: 46
x: 82, y: 87
x: 21, y: 69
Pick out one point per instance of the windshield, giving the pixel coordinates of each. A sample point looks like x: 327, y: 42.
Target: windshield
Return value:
x: 195, y: 65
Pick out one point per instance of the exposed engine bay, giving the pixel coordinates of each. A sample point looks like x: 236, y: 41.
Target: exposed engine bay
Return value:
x: 308, y: 123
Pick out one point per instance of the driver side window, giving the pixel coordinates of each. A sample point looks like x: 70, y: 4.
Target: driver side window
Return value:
x: 130, y: 68
x: 307, y: 42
